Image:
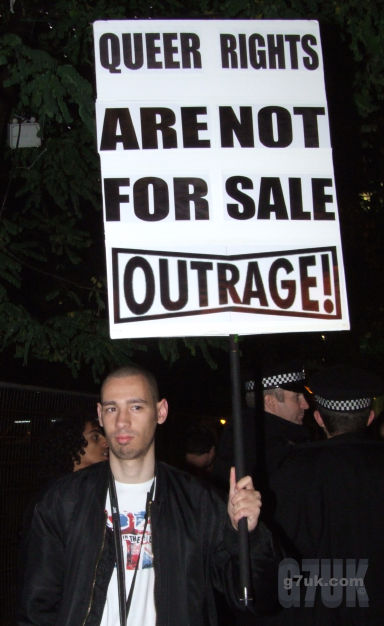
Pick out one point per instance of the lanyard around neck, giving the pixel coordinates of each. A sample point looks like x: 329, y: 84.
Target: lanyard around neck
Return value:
x: 124, y: 601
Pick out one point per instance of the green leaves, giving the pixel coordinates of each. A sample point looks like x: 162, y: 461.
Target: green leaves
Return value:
x: 52, y: 283
x: 47, y: 87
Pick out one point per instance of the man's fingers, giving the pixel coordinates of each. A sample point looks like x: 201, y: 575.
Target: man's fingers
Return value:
x: 232, y: 481
x: 244, y: 483
x: 245, y: 503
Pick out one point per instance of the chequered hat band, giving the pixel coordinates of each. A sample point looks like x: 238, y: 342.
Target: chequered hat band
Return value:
x: 249, y: 385
x: 280, y: 379
x: 344, y: 405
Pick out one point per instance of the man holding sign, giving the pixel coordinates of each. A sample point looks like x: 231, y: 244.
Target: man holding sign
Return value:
x: 134, y: 541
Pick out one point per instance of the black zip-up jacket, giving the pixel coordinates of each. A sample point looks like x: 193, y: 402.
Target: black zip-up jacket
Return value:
x: 69, y: 553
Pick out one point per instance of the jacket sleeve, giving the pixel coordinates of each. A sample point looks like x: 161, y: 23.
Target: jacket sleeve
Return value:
x: 41, y: 567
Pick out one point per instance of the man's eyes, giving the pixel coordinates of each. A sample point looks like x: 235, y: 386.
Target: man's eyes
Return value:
x: 133, y: 407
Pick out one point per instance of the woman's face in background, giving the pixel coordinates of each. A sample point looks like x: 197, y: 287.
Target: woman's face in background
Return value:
x: 96, y: 449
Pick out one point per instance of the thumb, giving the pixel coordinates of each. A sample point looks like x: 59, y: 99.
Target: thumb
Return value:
x: 232, y: 481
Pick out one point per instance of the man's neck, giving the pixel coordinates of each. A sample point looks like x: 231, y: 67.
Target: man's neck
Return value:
x: 132, y: 470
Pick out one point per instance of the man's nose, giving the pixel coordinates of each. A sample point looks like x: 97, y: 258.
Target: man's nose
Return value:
x: 124, y: 417
x: 303, y: 402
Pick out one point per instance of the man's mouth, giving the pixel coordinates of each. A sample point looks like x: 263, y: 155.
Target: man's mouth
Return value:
x: 124, y: 439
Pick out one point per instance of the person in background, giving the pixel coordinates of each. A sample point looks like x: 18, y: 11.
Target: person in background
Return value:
x: 71, y: 444
x: 330, y: 506
x: 285, y: 403
x: 199, y: 450
x: 269, y: 432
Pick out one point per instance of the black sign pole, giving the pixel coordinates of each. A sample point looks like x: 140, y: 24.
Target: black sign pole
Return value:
x: 240, y: 466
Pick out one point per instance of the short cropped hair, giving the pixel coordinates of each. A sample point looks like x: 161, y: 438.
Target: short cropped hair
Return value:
x: 338, y: 422
x: 277, y: 392
x: 134, y: 370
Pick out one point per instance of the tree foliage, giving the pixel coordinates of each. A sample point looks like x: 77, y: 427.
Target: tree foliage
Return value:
x: 52, y: 278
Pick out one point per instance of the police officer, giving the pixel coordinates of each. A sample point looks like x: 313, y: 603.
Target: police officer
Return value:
x: 330, y: 505
x: 285, y: 403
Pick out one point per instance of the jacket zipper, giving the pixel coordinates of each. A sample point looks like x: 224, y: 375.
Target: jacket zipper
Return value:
x: 96, y: 566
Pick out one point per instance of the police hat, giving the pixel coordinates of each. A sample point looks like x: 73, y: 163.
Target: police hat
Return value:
x: 345, y: 388
x: 249, y: 385
x: 287, y: 375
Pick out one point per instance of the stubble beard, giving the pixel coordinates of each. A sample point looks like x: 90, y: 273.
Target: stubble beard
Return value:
x: 127, y: 452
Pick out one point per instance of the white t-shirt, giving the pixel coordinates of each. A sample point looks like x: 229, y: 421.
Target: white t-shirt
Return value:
x: 132, y: 501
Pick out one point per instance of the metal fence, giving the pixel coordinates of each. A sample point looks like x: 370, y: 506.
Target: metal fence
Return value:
x: 25, y: 414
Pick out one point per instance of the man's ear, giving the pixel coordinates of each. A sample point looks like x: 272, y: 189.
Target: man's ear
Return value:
x: 318, y: 419
x: 162, y: 411
x: 99, y: 413
x: 371, y: 418
x: 269, y: 402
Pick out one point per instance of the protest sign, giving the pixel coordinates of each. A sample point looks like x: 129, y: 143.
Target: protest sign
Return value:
x: 220, y: 206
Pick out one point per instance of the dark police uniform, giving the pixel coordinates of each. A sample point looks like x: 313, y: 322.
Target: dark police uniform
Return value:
x: 280, y: 435
x: 267, y: 438
x: 330, y: 506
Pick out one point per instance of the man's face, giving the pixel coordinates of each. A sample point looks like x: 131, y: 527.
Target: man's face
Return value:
x: 129, y: 414
x: 292, y: 407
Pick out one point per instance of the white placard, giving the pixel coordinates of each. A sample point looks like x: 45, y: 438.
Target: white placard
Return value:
x: 220, y: 206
